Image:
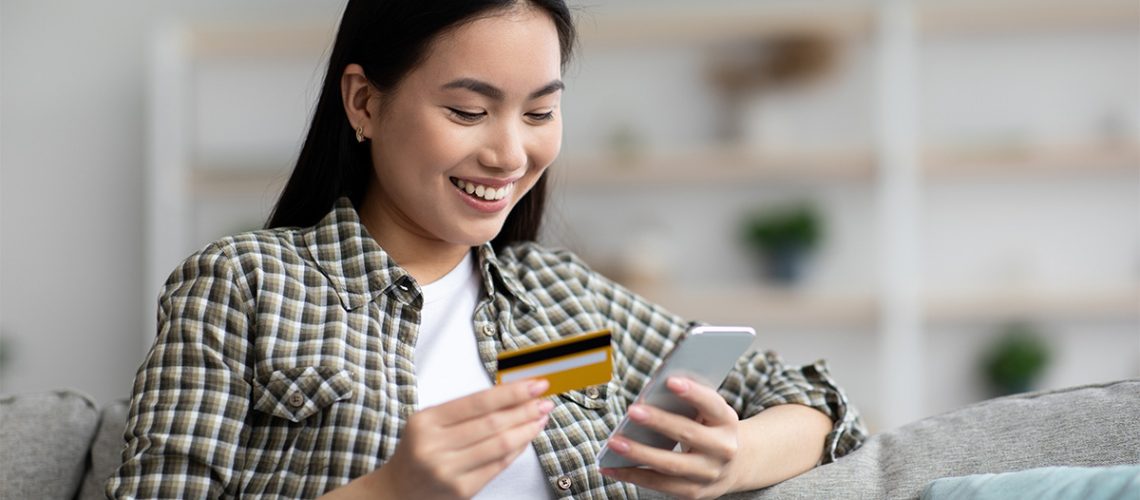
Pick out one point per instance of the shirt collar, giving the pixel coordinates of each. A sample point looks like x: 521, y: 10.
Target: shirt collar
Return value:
x: 493, y: 268
x: 355, y: 264
x: 360, y: 270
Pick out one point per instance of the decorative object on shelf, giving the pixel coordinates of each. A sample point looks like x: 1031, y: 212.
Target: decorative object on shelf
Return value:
x: 1015, y: 361
x: 5, y: 351
x: 625, y: 145
x: 784, y: 237
x: 742, y: 71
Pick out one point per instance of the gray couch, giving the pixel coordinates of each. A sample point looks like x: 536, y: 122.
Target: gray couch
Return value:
x: 59, y: 445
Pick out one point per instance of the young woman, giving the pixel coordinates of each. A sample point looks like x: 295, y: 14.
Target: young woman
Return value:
x: 349, y: 349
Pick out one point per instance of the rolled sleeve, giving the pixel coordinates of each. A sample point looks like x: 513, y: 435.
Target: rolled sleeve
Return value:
x: 190, y: 396
x: 761, y: 380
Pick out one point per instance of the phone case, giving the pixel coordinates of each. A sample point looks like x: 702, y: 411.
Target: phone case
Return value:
x: 706, y: 354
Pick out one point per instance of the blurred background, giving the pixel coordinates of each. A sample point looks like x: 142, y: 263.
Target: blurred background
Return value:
x: 941, y: 199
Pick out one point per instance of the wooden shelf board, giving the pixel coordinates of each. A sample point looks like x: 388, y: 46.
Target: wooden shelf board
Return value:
x: 218, y: 181
x: 765, y: 307
x: 713, y: 166
x: 1085, y: 305
x: 688, y: 25
x: 288, y: 39
x: 1035, y: 161
x: 938, y: 17
x: 761, y: 307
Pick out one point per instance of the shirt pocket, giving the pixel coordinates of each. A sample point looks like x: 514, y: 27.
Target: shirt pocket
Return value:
x: 295, y: 394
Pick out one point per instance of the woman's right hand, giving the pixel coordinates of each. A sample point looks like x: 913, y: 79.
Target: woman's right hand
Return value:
x: 454, y: 449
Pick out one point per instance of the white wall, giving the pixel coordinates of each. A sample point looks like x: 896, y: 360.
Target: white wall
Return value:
x: 72, y: 149
x: 73, y: 138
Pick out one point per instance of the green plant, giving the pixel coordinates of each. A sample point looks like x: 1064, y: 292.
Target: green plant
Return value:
x: 793, y: 227
x: 783, y: 237
x: 1016, y: 360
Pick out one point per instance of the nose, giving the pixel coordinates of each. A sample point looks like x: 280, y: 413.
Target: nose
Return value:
x: 504, y: 148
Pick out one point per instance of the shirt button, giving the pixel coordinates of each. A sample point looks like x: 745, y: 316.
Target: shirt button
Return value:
x: 296, y: 400
x: 592, y: 392
x: 489, y: 330
x: 564, y: 483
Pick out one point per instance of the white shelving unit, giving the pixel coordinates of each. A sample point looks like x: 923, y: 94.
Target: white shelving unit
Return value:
x: 888, y: 172
x: 899, y: 165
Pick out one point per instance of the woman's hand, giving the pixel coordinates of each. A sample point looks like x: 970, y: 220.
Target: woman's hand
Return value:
x: 707, y: 468
x: 454, y: 449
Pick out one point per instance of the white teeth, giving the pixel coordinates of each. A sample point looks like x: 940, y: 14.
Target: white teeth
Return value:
x: 484, y: 192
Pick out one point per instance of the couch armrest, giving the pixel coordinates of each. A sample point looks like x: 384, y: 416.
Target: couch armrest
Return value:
x: 44, y: 439
x: 1090, y: 425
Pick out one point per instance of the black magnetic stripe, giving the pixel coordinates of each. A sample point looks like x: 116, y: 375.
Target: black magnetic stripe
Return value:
x: 555, y: 352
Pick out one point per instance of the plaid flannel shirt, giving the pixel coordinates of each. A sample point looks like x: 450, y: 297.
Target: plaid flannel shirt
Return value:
x: 283, y: 365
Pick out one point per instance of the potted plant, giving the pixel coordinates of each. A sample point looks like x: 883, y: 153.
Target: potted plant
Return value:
x: 784, y: 237
x: 1016, y: 360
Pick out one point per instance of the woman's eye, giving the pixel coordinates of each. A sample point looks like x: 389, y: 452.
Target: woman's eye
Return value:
x: 467, y: 116
x: 542, y: 117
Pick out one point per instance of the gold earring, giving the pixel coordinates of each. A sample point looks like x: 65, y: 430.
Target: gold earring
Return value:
x: 360, y: 133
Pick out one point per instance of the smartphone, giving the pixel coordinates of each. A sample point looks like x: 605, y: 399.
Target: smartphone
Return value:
x: 705, y: 354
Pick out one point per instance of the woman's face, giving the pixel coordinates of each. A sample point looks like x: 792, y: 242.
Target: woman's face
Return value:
x: 469, y: 131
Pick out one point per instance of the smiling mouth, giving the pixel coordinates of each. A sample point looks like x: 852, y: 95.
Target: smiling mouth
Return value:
x: 481, y: 192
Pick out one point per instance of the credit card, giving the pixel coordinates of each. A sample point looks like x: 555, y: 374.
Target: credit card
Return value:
x: 569, y: 364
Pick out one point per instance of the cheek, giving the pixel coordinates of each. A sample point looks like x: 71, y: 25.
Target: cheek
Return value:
x: 547, y: 146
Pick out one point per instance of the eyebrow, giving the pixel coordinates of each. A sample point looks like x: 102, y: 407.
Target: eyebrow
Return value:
x: 493, y: 92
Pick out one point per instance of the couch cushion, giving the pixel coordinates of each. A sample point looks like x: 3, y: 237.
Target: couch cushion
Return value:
x: 1120, y: 482
x: 1091, y: 425
x: 44, y: 440
x: 106, y: 451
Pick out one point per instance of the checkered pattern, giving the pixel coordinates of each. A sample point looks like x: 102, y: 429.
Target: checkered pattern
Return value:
x: 283, y: 365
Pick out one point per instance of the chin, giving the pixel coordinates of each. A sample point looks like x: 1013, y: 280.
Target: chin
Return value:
x: 479, y: 237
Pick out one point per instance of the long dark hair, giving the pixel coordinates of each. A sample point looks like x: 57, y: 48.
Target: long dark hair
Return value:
x: 388, y: 38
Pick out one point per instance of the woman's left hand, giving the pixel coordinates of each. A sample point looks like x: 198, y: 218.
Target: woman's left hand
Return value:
x: 707, y: 468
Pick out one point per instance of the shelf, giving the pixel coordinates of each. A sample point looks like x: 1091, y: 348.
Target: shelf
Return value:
x: 1029, y: 305
x: 686, y: 24
x: 718, y: 166
x: 1005, y: 16
x: 767, y: 308
x: 217, y: 181
x: 1056, y: 160
x: 289, y: 39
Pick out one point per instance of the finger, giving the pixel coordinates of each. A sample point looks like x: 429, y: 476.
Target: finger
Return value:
x: 474, y: 430
x: 709, y: 403
x: 672, y: 485
x: 487, y: 401
x: 690, y: 433
x: 500, y: 446
x: 691, y: 466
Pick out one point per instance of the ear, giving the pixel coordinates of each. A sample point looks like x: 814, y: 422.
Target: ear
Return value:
x: 357, y: 93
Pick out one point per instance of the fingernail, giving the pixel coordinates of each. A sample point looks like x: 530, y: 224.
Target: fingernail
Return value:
x: 542, y: 421
x: 606, y: 472
x: 678, y: 384
x: 545, y: 406
x: 619, y: 445
x: 636, y: 412
x: 539, y: 386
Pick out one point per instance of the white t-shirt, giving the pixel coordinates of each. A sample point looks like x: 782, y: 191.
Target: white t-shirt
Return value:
x: 448, y: 367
